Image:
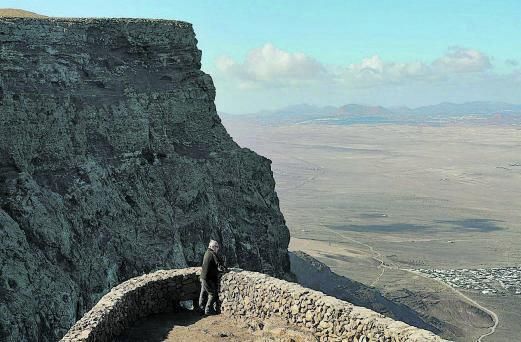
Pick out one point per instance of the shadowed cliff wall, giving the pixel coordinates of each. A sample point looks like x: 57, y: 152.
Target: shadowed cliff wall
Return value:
x: 114, y: 163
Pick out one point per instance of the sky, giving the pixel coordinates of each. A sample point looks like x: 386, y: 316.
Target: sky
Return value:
x: 270, y: 54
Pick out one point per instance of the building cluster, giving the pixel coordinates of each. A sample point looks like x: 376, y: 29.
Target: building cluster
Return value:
x: 497, y: 280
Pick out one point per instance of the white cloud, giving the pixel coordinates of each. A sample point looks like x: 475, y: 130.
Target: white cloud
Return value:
x: 463, y: 60
x: 271, y: 66
x: 454, y: 64
x: 374, y: 71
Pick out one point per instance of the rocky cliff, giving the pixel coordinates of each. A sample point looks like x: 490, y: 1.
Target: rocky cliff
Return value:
x: 113, y: 163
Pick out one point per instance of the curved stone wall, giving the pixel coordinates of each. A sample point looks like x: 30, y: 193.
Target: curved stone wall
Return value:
x: 135, y: 298
x: 251, y: 294
x: 244, y: 295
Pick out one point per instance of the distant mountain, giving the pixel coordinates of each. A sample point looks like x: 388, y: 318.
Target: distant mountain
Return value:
x: 356, y: 109
x: 14, y: 12
x: 447, y: 108
x: 305, y: 109
x: 289, y: 114
x: 486, y: 112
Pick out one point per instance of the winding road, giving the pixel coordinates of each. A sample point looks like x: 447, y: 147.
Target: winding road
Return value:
x: 377, y: 256
x: 494, y: 316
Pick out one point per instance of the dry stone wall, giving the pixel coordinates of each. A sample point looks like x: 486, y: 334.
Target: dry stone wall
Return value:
x: 244, y: 295
x: 251, y: 294
x: 138, y: 297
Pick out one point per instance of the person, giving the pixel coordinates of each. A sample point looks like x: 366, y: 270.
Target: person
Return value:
x: 212, y: 265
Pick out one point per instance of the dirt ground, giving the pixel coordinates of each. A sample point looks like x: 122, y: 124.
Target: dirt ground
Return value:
x: 190, y: 326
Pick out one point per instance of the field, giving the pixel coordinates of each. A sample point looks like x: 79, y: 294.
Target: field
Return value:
x: 376, y: 202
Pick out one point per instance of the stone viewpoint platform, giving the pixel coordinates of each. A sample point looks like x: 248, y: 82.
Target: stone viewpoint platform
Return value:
x: 244, y: 295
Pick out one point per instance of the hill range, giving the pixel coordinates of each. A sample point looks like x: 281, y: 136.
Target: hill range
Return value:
x: 439, y: 114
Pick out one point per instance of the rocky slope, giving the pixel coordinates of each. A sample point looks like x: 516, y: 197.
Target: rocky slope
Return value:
x: 316, y: 275
x: 451, y: 318
x: 114, y: 162
x: 14, y: 12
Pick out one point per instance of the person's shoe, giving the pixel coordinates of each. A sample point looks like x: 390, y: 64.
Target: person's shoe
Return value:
x: 209, y: 312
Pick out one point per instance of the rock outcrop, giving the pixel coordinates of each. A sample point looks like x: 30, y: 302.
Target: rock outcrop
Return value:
x: 114, y: 163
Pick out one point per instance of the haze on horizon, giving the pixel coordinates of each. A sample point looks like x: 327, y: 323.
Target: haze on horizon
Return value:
x: 267, y: 55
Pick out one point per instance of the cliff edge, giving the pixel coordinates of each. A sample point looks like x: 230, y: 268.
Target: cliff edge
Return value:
x: 114, y: 163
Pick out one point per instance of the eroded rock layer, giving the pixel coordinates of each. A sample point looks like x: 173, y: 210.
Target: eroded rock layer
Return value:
x: 113, y: 163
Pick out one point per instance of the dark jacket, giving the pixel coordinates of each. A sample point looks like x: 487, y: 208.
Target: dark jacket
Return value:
x: 211, y: 265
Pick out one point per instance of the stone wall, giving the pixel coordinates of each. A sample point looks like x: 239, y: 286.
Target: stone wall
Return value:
x: 138, y: 297
x: 251, y: 294
x: 244, y: 295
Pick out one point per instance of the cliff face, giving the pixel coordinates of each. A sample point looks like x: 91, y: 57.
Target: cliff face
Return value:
x: 113, y: 163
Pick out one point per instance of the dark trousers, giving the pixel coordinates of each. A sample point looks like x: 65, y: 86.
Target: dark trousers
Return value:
x: 209, y: 290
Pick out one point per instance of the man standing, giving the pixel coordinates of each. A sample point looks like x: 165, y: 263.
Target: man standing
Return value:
x: 212, y: 265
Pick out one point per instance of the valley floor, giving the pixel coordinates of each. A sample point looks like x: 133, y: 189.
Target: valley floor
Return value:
x: 374, y: 202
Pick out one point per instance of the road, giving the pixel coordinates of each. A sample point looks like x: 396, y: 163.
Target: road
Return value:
x: 377, y: 256
x: 494, y: 316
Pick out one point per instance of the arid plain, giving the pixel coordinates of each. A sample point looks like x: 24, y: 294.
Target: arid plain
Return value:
x: 375, y: 202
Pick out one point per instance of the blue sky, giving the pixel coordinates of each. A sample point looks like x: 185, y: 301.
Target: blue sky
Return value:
x: 267, y: 54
